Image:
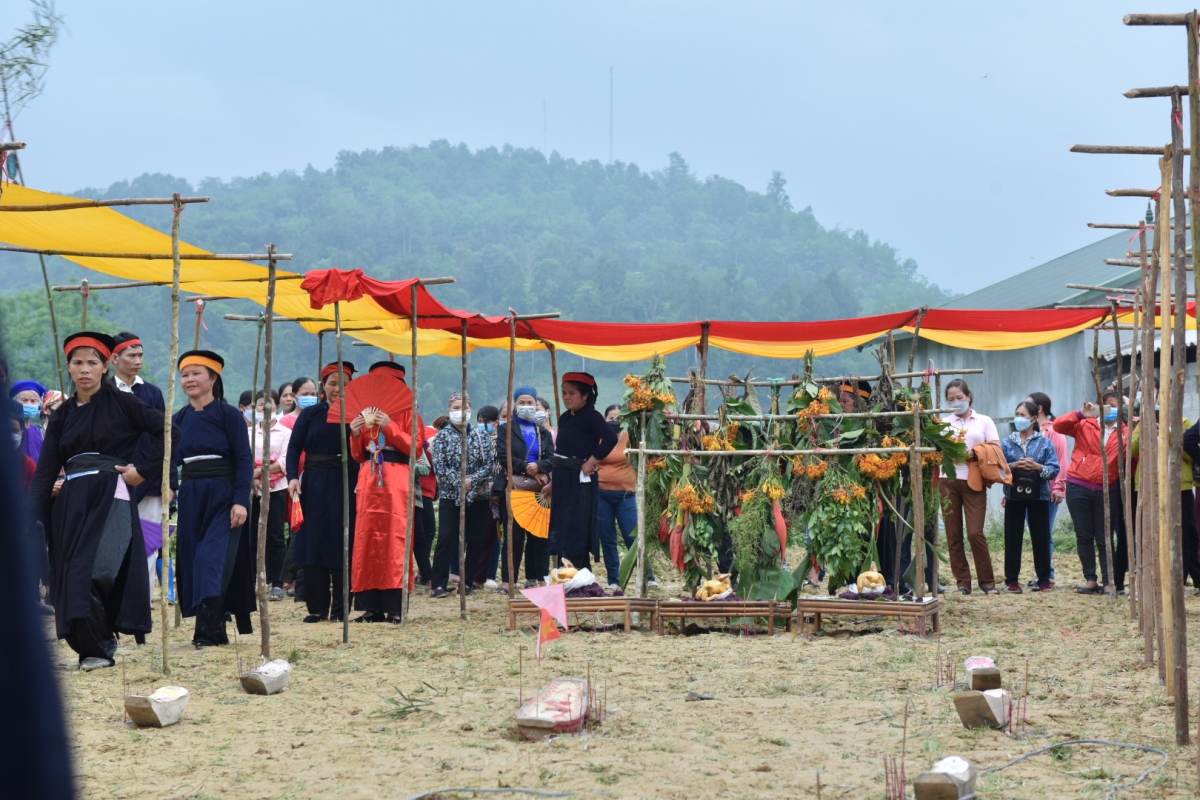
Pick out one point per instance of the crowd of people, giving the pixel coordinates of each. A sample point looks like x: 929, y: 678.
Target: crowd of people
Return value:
x: 94, y: 467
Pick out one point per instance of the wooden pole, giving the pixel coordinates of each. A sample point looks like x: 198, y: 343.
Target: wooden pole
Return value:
x: 1148, y: 461
x: 508, y: 467
x: 337, y: 322
x: 1105, y: 489
x: 84, y: 293
x: 134, y: 201
x: 799, y: 381
x: 912, y: 352
x: 1193, y: 34
x: 8, y: 248
x: 917, y: 475
x: 58, y: 354
x: 259, y: 547
x: 264, y: 507
x: 705, y: 328
x: 554, y: 379
x: 199, y: 323
x: 163, y: 603
x: 1174, y: 428
x: 1108, y: 149
x: 641, y: 515
x: 463, y: 577
x: 1163, y: 243
x: 415, y: 450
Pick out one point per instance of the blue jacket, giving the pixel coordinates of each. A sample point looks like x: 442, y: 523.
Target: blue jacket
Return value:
x: 1037, y: 447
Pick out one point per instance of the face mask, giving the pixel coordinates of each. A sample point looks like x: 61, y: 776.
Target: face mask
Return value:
x: 16, y: 440
x: 307, y: 400
x: 486, y: 427
x: 31, y: 412
x: 527, y: 413
x: 1110, y: 417
x: 960, y: 407
x: 615, y: 424
x: 539, y: 416
x: 1022, y: 424
x: 248, y: 414
x: 457, y: 417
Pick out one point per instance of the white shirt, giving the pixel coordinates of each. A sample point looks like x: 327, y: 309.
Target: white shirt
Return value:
x: 127, y: 387
x: 280, y: 437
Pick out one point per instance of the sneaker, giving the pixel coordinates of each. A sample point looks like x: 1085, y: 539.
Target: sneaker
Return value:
x: 1015, y: 588
x: 276, y: 593
x: 439, y: 592
x: 1044, y: 586
x: 532, y: 584
x: 490, y: 584
x: 89, y: 664
x: 653, y: 584
x: 613, y: 586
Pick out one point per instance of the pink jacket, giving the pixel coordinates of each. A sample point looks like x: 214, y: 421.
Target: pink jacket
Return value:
x: 1062, y: 450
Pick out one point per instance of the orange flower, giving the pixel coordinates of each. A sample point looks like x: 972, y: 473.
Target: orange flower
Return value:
x: 774, y: 490
x: 859, y: 492
x: 817, y: 471
x: 633, y: 381
x: 824, y: 394
x: 642, y: 400
x: 656, y: 464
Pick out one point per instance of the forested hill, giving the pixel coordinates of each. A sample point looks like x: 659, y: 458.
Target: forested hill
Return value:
x: 594, y: 241
x: 517, y: 229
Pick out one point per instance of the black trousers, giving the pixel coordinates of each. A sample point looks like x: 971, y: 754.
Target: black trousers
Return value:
x: 323, y: 591
x: 424, y: 530
x: 579, y: 560
x: 276, y: 543
x: 524, y: 545
x: 906, y: 555
x: 91, y: 637
x: 1014, y: 537
x: 479, y: 518
x: 1087, y: 513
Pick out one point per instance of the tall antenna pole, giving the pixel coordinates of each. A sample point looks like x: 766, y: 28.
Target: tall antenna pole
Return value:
x: 610, y: 114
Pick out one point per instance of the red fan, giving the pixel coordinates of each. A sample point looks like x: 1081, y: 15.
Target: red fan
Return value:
x: 382, y: 389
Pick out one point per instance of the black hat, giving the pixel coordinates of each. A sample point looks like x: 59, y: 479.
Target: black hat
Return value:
x: 389, y: 365
x: 102, y: 343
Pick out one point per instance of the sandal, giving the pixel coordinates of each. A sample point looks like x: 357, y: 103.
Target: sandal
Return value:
x: 313, y: 618
x: 1089, y: 589
x: 369, y: 616
x: 992, y: 590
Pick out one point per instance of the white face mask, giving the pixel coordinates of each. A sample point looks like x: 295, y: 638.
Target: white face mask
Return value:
x: 457, y: 417
x: 539, y: 416
x: 16, y: 440
x: 527, y: 413
x: 960, y: 407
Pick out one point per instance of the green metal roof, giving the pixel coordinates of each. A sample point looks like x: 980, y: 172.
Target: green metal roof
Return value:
x: 1045, y: 285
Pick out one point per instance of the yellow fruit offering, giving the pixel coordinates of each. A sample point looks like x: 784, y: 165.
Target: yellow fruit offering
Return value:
x: 871, y: 580
x: 710, y: 590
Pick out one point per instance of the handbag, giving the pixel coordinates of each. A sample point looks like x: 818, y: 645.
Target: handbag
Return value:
x: 525, y: 483
x: 1027, y: 484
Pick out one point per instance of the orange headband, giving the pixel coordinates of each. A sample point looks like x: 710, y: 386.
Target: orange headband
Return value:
x: 126, y: 345
x: 87, y: 341
x: 201, y: 361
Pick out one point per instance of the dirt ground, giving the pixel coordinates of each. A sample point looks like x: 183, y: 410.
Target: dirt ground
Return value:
x: 785, y: 708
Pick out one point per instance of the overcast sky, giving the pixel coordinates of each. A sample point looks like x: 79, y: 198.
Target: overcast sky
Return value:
x: 942, y: 131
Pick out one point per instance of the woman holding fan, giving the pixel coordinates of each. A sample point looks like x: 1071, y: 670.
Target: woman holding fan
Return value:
x: 318, y: 490
x: 382, y: 442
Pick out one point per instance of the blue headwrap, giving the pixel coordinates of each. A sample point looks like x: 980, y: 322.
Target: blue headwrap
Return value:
x: 17, y: 411
x: 520, y: 390
x: 25, y: 386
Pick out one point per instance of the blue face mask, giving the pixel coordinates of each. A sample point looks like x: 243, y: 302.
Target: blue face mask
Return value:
x: 1022, y: 424
x: 307, y: 401
x: 31, y: 412
x: 1110, y: 417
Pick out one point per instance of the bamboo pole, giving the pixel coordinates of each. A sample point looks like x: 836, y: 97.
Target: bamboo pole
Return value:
x: 1155, y: 91
x: 702, y: 347
x: 1105, y: 489
x: 1162, y: 242
x: 917, y: 475
x: 337, y: 322
x: 798, y: 381
x: 463, y: 578
x: 640, y: 579
x: 1174, y: 428
x: 199, y: 323
x: 1109, y: 149
x: 58, y: 354
x: 1124, y: 479
x: 264, y: 506
x: 1193, y: 47
x: 554, y: 379
x: 1130, y: 262
x: 84, y: 293
x: 1148, y: 462
x: 937, y: 514
x: 133, y: 201
x: 508, y: 467
x: 1156, y: 19
x: 826, y: 451
x: 164, y: 619
x: 912, y: 352
x: 12, y: 146
x: 785, y: 417
x: 1131, y: 192
x: 145, y: 257
x: 415, y: 450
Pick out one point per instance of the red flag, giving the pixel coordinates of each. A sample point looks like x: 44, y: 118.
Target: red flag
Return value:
x: 547, y: 631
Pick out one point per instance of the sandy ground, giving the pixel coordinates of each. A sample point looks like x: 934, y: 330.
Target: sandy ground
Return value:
x: 785, y: 708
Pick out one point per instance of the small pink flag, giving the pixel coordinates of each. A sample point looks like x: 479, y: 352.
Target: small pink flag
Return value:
x: 552, y: 600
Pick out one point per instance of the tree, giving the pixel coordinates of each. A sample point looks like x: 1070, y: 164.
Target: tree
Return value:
x: 776, y: 190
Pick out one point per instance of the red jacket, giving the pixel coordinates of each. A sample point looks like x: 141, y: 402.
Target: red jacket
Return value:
x: 1086, y: 466
x: 429, y: 482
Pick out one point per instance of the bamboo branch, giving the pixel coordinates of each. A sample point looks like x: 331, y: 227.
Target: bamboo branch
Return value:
x: 11, y: 146
x: 824, y: 451
x: 135, y: 201
x: 264, y: 504
x: 1131, y: 192
x: 1155, y: 19
x: 799, y: 381
x: 146, y: 256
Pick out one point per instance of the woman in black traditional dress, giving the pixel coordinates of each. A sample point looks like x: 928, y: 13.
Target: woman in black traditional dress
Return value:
x: 318, y: 489
x: 584, y: 440
x: 98, y: 586
x: 216, y: 567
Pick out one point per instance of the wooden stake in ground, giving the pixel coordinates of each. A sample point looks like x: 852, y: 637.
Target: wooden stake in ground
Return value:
x: 166, y: 467
x: 917, y: 476
x: 1106, y: 491
x: 1165, y: 501
x: 84, y: 293
x: 415, y: 450
x: 508, y: 468
x: 641, y: 513
x: 337, y: 323
x: 703, y: 350
x: 1123, y: 485
x: 264, y: 590
x: 462, y: 488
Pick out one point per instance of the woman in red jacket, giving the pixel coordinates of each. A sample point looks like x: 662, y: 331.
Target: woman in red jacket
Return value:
x: 1092, y: 429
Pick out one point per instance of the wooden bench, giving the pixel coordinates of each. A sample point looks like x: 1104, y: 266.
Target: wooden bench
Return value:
x: 818, y: 607
x: 724, y: 609
x: 626, y: 606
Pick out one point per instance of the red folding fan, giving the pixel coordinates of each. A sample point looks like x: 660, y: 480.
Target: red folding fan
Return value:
x: 382, y: 389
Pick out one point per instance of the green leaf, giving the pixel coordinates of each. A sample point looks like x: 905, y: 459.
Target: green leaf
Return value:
x: 627, y: 565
